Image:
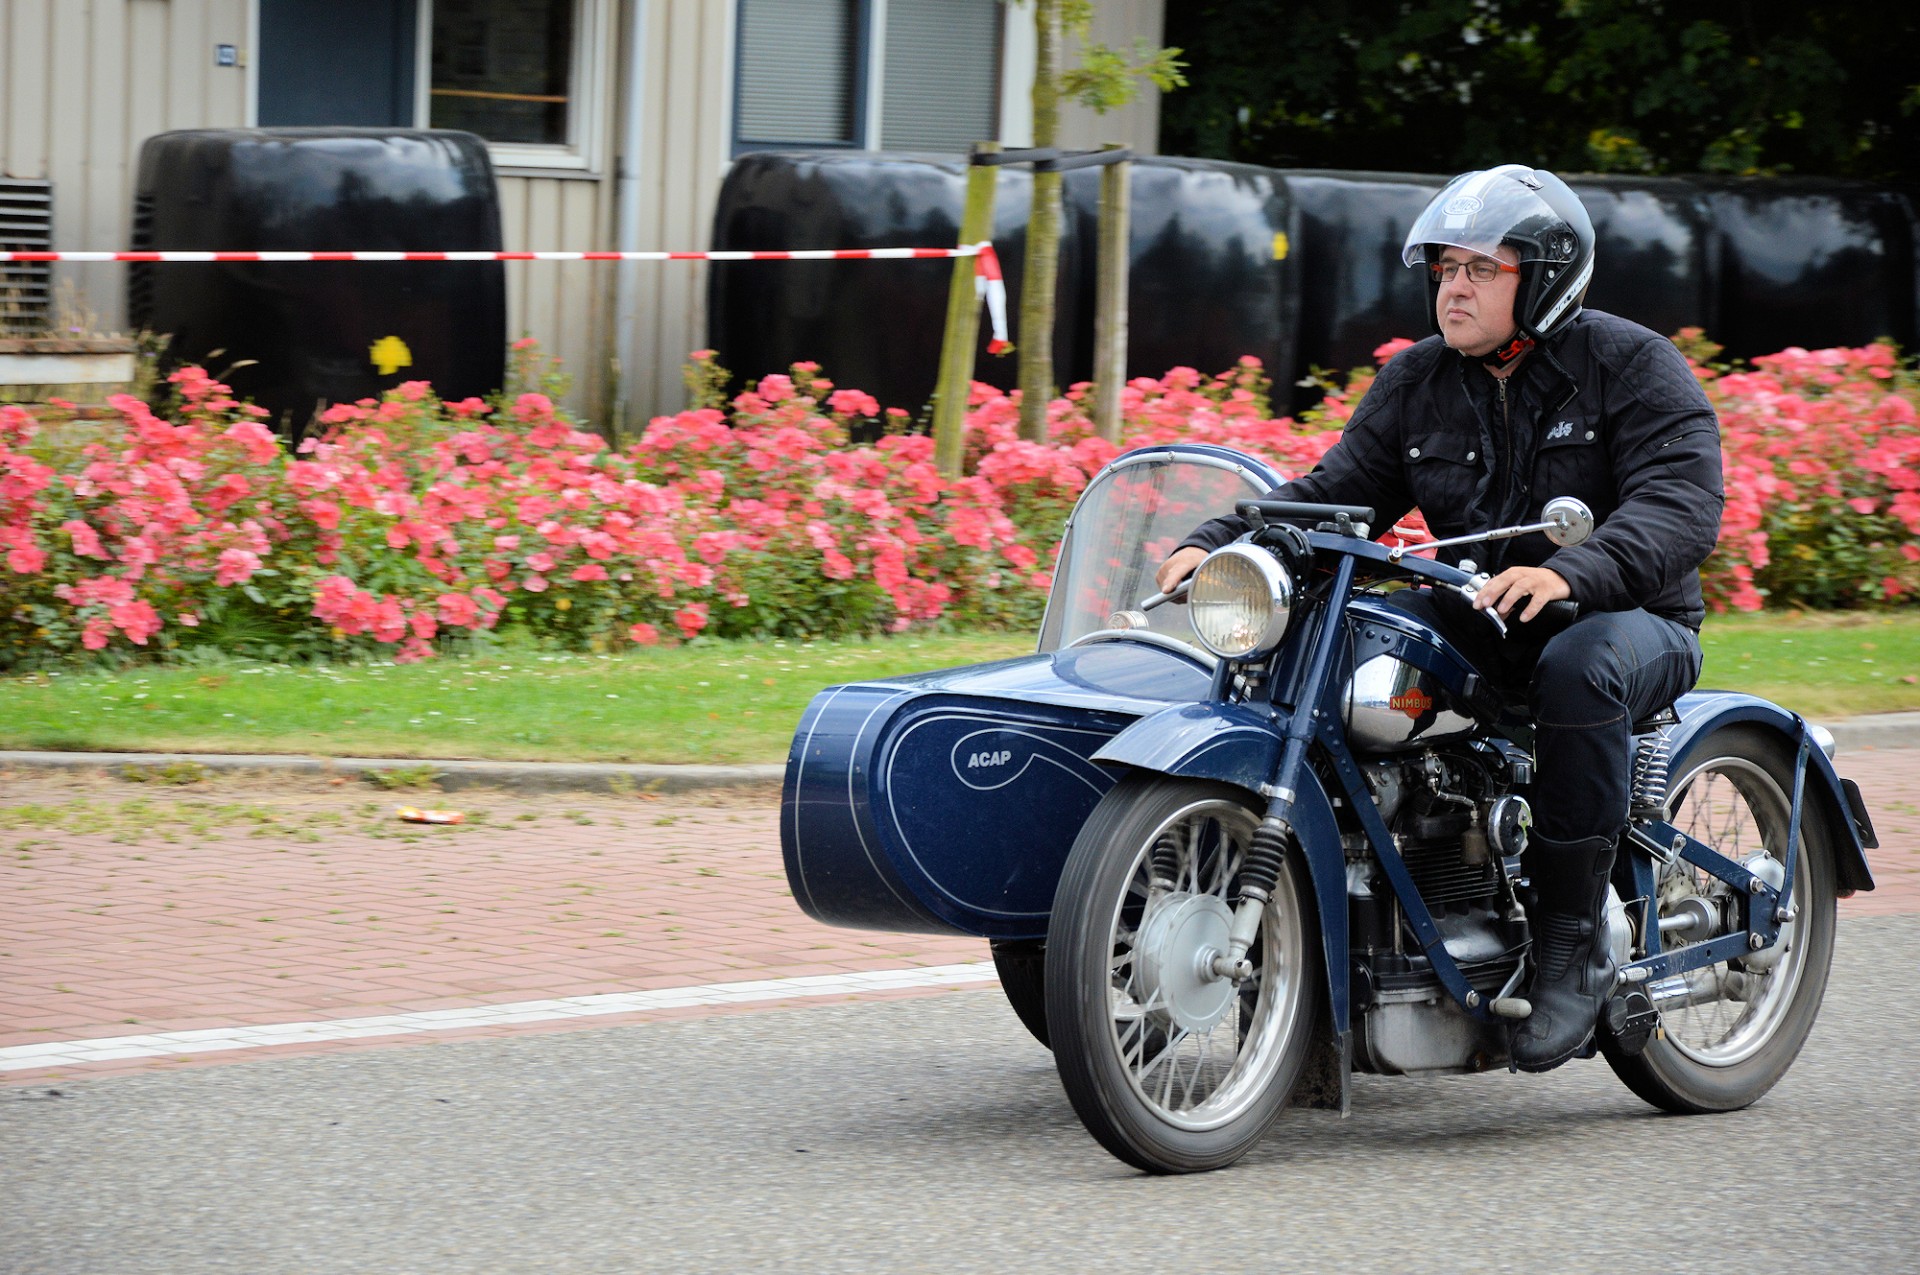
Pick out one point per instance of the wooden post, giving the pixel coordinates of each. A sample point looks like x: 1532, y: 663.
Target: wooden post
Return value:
x: 1041, y: 261
x: 1110, y: 298
x: 963, y: 323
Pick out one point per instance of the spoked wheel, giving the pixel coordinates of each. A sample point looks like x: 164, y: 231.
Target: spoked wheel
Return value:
x: 1022, y: 968
x: 1733, y: 1029
x: 1173, y: 1068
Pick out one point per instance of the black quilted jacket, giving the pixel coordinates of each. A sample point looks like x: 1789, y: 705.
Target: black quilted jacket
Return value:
x: 1607, y: 411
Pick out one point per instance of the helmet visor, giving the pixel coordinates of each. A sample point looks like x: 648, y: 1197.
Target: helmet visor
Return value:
x: 1480, y: 211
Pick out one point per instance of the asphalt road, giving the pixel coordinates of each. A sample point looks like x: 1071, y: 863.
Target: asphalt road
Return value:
x: 931, y: 1134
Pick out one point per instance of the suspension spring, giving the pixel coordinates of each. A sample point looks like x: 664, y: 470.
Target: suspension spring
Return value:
x: 1165, y: 862
x: 1265, y: 857
x: 1650, y: 762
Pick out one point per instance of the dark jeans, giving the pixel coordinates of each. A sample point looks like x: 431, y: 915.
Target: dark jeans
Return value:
x: 1586, y: 684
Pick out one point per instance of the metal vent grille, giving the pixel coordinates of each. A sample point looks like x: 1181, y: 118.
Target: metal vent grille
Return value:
x: 26, y: 225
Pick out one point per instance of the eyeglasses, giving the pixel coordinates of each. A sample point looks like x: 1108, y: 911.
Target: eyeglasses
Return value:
x: 1479, y: 270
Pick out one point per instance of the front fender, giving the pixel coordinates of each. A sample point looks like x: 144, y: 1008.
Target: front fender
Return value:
x: 1702, y: 712
x: 1239, y: 745
x: 1232, y: 743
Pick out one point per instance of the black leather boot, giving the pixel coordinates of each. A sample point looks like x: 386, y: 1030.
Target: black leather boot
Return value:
x: 1573, y: 971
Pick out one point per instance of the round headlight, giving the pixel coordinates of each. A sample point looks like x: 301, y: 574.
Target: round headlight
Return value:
x: 1241, y: 600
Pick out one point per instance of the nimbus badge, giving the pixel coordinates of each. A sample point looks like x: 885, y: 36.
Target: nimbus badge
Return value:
x: 1414, y: 702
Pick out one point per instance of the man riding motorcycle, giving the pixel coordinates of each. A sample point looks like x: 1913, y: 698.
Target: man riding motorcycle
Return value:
x: 1523, y: 396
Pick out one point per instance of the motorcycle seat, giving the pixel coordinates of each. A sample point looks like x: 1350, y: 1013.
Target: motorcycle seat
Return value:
x: 1518, y: 715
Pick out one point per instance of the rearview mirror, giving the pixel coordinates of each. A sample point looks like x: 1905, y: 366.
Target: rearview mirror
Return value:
x: 1572, y: 521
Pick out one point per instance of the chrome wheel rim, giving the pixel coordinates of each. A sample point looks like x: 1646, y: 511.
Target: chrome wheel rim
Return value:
x: 1725, y: 1014
x: 1199, y: 1077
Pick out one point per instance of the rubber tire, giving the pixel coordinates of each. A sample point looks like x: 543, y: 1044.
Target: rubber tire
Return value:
x: 1022, y: 967
x: 1663, y: 1075
x: 1078, y: 953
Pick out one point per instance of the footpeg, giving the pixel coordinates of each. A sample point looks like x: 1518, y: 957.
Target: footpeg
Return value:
x: 1512, y: 1007
x: 1632, y: 1021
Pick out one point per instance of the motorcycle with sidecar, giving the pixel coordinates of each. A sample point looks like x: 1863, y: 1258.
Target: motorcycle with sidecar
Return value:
x: 1229, y: 852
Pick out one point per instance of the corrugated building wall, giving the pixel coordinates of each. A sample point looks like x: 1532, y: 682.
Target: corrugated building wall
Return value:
x: 82, y: 84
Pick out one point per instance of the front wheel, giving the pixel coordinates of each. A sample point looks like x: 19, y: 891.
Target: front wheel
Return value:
x: 1171, y: 1067
x: 1730, y: 1031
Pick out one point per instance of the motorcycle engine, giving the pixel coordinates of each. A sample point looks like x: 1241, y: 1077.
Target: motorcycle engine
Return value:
x: 1459, y: 827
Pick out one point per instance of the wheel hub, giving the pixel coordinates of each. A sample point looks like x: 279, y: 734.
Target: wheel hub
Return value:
x: 1175, y: 957
x: 1774, y: 873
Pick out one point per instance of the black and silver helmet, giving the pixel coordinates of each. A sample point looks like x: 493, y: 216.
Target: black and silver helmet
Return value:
x: 1532, y: 211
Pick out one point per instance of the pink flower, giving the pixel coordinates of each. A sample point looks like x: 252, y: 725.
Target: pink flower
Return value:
x: 853, y: 403
x: 457, y: 609
x: 691, y: 618
x: 644, y: 634
x: 236, y: 567
x: 260, y: 443
x: 1385, y: 352
x: 27, y: 561
x: 137, y: 619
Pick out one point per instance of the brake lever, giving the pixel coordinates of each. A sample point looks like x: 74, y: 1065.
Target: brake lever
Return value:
x: 1471, y: 590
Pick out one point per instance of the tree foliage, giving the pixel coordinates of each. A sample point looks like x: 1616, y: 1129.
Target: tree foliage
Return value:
x: 1104, y: 79
x: 1633, y: 86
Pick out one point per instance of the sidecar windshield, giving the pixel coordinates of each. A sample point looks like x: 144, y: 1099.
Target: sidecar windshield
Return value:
x: 1125, y: 524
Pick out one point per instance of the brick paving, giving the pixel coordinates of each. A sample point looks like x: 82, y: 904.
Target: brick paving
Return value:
x: 130, y: 911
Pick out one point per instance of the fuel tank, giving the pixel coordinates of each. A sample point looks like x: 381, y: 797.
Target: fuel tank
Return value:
x: 1410, y: 687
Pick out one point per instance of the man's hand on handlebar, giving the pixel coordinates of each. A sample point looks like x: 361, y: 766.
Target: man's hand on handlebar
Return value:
x: 1177, y: 568
x: 1537, y: 584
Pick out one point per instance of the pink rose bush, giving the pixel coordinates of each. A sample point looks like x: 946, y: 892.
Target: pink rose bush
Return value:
x: 1822, y: 458
x: 407, y: 523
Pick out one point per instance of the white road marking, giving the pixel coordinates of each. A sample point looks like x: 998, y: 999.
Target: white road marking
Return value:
x: 67, y: 1053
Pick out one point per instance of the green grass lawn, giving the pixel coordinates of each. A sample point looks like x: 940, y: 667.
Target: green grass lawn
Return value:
x: 1832, y: 665
x: 726, y: 702
x: 711, y: 703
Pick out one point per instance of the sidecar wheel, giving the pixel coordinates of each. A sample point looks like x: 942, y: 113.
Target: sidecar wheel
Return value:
x: 1732, y: 1030
x: 1022, y: 968
x: 1171, y: 1069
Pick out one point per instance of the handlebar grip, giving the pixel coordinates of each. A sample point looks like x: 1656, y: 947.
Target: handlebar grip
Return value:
x: 1273, y: 510
x: 1565, y: 611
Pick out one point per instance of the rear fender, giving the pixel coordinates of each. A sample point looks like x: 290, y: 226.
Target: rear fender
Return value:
x: 1702, y: 713
x: 1239, y: 745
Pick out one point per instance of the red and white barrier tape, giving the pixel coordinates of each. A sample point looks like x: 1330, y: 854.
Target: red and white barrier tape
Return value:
x: 988, y: 283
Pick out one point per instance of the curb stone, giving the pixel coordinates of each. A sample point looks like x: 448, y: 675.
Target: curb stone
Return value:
x: 1881, y: 730
x: 1875, y: 730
